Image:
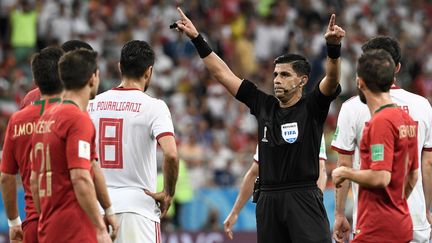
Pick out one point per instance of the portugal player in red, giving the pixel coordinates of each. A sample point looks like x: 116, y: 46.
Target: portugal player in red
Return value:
x: 62, y: 158
x: 388, y: 152
x: 17, y: 146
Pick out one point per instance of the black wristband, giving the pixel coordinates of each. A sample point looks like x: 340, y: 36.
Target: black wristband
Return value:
x: 333, y: 51
x: 202, y: 46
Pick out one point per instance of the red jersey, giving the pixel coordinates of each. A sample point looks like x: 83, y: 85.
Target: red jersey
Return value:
x: 65, y: 143
x: 389, y: 142
x: 17, y: 146
x: 30, y: 97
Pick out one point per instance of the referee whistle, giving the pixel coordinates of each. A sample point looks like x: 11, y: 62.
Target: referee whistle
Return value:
x: 173, y: 26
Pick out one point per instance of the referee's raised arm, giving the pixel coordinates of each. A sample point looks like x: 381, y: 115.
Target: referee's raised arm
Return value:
x: 333, y: 36
x: 216, y: 66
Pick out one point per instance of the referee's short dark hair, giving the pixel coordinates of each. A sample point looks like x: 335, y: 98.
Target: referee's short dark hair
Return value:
x: 77, y: 67
x: 44, y: 66
x: 136, y: 57
x: 376, y: 68
x: 386, y: 43
x: 299, y: 63
x: 71, y: 45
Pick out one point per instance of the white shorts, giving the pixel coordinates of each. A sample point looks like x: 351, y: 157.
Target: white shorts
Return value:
x: 421, y: 236
x: 135, y: 228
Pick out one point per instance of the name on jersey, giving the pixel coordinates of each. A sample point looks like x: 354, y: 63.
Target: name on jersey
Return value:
x: 29, y: 128
x: 115, y: 106
x: 407, y: 131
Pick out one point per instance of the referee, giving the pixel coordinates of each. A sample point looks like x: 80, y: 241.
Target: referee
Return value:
x: 290, y: 207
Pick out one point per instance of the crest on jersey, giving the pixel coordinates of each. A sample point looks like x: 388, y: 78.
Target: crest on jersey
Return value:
x: 289, y: 132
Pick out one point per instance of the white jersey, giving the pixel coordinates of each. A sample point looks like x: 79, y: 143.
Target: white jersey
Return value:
x: 128, y: 124
x: 351, y: 121
x: 322, y: 154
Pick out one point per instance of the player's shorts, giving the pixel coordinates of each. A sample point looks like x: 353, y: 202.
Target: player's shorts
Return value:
x: 135, y: 228
x: 292, y: 215
x: 421, y: 236
x: 30, y: 230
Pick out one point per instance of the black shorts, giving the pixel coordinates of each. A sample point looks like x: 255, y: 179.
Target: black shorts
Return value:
x: 292, y: 216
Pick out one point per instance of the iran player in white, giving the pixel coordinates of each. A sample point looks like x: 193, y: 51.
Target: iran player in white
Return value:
x: 129, y: 125
x: 351, y: 121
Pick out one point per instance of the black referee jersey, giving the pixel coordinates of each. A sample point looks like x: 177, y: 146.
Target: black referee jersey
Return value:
x: 289, y: 138
x: 290, y: 207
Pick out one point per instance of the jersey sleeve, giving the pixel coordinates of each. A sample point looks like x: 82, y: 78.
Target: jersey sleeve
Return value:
x: 428, y: 129
x: 319, y: 104
x: 79, y: 140
x: 344, y: 138
x: 252, y: 97
x: 381, y: 147
x: 323, y: 152
x: 161, y: 124
x: 9, y: 164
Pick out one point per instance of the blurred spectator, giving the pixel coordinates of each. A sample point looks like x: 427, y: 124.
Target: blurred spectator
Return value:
x: 23, y: 20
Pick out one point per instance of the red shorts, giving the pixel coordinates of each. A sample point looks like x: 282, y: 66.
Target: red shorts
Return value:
x: 30, y: 229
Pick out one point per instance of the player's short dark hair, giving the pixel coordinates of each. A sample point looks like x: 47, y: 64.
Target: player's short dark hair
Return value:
x: 71, y: 45
x: 376, y: 68
x: 386, y: 43
x: 76, y: 68
x: 44, y: 67
x: 299, y: 63
x: 136, y: 57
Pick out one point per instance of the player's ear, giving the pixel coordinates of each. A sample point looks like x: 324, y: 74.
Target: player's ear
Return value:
x: 398, y: 67
x: 148, y: 73
x: 94, y: 80
x: 360, y: 83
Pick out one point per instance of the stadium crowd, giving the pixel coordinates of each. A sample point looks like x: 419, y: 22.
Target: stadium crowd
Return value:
x: 215, y: 134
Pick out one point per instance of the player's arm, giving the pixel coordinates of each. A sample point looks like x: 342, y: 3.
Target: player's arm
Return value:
x: 426, y: 169
x: 322, y: 179
x: 365, y: 178
x: 410, y: 182
x: 246, y: 190
x: 104, y: 199
x: 170, y: 173
x: 333, y: 36
x: 100, y: 186
x: 9, y: 193
x: 341, y: 228
x: 86, y: 196
x: 216, y: 66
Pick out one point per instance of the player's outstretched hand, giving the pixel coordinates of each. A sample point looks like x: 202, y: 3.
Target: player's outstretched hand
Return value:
x: 163, y: 199
x: 337, y: 175
x: 102, y: 236
x: 341, y: 229
x: 16, y: 234
x: 334, y: 33
x: 229, y: 223
x: 185, y: 25
x: 111, y: 220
